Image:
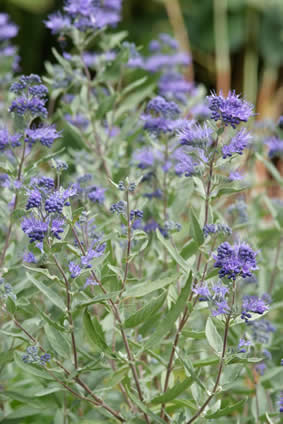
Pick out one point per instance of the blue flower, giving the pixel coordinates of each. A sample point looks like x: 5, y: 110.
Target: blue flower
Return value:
x: 96, y: 194
x: 237, y: 260
x: 57, y: 227
x: 8, y: 29
x: 75, y: 269
x: 195, y: 135
x: 57, y: 23
x: 253, y: 304
x: 34, y: 199
x: 238, y: 143
x: 231, y: 110
x: 46, y: 135
x: 242, y: 345
x: 275, y: 145
x: 35, y: 229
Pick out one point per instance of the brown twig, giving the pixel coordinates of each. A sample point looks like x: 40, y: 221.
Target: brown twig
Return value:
x: 117, y: 316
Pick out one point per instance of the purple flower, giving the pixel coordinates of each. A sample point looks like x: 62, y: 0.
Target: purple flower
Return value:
x: 281, y: 403
x: 222, y: 307
x: 157, y: 194
x: 46, y: 135
x: 7, y: 140
x: 242, y: 345
x: 78, y: 121
x: 184, y: 163
x: 136, y: 213
x: 46, y: 182
x: 7, y: 28
x: 162, y: 107
x: 174, y: 86
x: 216, y: 228
x: 195, y: 135
x: 145, y: 157
x: 96, y: 194
x: 235, y: 176
x: 34, y: 106
x: 34, y: 228
x: 231, y: 110
x: 261, y: 330
x: 160, y: 61
x: 253, y: 304
x: 29, y: 258
x: 233, y: 261
x: 219, y: 289
x: 93, y: 253
x: 34, y: 199
x: 202, y: 291
x: 260, y: 368
x: 75, y: 269
x: 54, y: 203
x: 56, y: 228
x: 238, y: 143
x: 90, y: 282
x: 275, y: 145
x: 57, y: 22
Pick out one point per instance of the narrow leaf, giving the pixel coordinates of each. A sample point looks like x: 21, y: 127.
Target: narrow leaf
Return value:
x: 165, y: 326
x: 145, y: 313
x: 48, y: 292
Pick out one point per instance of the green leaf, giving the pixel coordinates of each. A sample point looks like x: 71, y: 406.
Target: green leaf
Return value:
x: 190, y: 368
x: 57, y: 341
x: 213, y: 337
x: 227, y: 410
x: 174, y: 392
x: 195, y: 229
x: 165, y: 325
x: 105, y: 106
x: 173, y: 252
x: 271, y: 168
x: 144, y: 408
x: 94, y: 332
x: 146, y: 312
x: 44, y: 272
x: 48, y: 292
x: 134, y: 85
x: 140, y: 290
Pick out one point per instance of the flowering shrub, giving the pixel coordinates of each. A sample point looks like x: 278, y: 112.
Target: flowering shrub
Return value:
x: 140, y: 267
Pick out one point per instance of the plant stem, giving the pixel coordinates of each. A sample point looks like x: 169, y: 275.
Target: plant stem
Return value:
x: 221, y: 364
x: 98, y: 402
x: 128, y: 243
x: 117, y: 316
x: 69, y: 313
x: 186, y: 313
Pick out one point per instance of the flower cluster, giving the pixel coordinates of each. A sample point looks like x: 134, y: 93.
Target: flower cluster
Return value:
x: 231, y: 110
x: 275, y: 145
x: 86, y: 15
x: 253, y: 304
x: 32, y: 356
x: 216, y: 228
x: 233, y: 261
x: 32, y: 97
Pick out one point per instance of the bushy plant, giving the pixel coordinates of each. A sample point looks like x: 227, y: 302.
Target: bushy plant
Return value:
x: 140, y: 261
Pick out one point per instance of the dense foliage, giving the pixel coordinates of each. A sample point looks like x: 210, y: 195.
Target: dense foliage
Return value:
x: 140, y: 257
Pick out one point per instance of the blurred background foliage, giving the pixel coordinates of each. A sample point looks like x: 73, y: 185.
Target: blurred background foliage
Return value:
x: 234, y: 43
